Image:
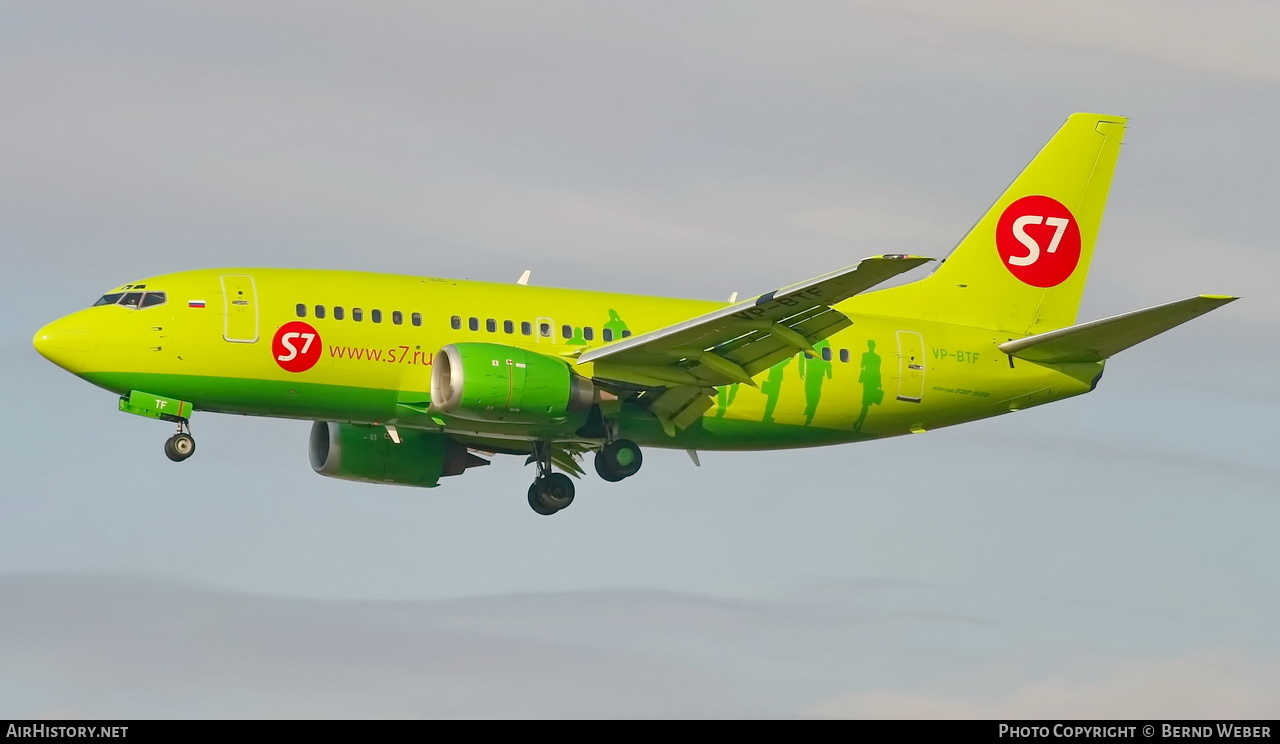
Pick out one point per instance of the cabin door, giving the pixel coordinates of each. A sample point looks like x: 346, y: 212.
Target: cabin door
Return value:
x: 910, y: 366
x: 239, y: 309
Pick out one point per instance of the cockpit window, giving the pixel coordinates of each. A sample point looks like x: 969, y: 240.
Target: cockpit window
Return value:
x: 134, y: 300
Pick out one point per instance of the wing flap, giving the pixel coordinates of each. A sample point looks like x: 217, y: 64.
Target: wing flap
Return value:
x: 1101, y: 339
x: 678, y: 407
x: 679, y: 367
x: 756, y: 333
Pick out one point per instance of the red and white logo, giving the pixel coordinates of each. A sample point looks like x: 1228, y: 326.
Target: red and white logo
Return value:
x: 296, y: 346
x: 1039, y: 240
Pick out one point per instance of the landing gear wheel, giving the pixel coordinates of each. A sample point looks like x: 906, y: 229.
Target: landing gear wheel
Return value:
x: 551, y: 493
x: 179, y: 447
x: 618, y: 459
x: 535, y: 501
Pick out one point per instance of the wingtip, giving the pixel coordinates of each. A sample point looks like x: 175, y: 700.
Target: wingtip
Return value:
x: 903, y: 257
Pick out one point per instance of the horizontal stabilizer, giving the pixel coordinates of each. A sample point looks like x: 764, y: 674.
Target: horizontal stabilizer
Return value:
x: 1100, y: 339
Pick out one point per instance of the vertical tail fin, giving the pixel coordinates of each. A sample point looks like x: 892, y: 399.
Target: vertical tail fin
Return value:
x: 1022, y: 267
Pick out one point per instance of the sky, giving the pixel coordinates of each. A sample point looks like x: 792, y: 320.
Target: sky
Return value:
x: 1112, y: 555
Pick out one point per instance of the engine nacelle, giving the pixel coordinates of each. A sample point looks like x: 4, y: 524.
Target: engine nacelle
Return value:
x: 358, y: 452
x: 493, y: 382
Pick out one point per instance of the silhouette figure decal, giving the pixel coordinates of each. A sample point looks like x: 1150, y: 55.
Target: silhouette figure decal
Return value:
x: 869, y: 376
x: 814, y: 370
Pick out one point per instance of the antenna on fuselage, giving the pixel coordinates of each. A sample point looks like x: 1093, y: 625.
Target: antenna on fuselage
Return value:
x: 524, y: 278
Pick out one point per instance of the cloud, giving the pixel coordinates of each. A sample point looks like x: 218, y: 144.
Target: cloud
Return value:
x: 126, y: 647
x: 1232, y: 38
x: 122, y: 646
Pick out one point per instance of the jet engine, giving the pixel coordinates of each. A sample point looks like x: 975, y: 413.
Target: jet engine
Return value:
x: 368, y: 454
x: 493, y: 382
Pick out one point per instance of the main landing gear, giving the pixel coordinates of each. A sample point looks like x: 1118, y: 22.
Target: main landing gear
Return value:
x: 618, y: 459
x: 550, y: 491
x: 182, y: 445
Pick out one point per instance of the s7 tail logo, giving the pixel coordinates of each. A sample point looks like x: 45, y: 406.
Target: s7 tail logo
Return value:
x: 1038, y: 240
x: 1033, y: 248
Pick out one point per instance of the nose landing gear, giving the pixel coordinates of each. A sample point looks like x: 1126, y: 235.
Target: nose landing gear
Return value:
x: 182, y: 445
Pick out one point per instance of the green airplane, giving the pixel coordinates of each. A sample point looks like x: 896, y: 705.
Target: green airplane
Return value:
x: 410, y: 379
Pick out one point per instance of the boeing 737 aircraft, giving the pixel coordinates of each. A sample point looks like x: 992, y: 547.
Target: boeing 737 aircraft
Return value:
x: 409, y: 379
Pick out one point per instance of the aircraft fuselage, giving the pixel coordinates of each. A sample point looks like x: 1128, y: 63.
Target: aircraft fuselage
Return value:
x: 359, y: 347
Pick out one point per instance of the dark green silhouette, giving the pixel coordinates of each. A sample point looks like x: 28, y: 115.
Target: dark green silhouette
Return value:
x: 869, y: 376
x: 724, y: 398
x: 578, y: 339
x: 814, y: 370
x: 616, y: 324
x: 772, y: 389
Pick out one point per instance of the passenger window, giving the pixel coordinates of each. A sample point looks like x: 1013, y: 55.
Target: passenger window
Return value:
x: 300, y: 310
x: 566, y: 331
x: 508, y: 327
x: 338, y: 312
x: 607, y: 334
x: 375, y: 316
x: 151, y: 299
x: 109, y: 299
x: 844, y: 355
x: 473, y: 324
x: 357, y: 314
x: 491, y: 325
x: 625, y: 333
x: 455, y: 323
x: 416, y: 318
x: 397, y: 317
x: 589, y: 333
x: 545, y: 330
x: 526, y: 328
x: 319, y: 311
x: 826, y: 353
x: 132, y: 299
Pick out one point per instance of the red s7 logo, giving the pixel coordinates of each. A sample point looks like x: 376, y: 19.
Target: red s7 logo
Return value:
x: 1038, y: 240
x: 296, y: 346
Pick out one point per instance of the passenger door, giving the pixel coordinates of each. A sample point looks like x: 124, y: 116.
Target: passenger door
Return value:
x: 239, y: 309
x: 910, y: 366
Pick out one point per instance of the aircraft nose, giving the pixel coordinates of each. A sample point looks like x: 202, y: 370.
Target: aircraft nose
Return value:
x: 63, y: 342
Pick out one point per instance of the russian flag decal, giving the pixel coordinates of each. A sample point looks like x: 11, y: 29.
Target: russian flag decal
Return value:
x: 195, y: 303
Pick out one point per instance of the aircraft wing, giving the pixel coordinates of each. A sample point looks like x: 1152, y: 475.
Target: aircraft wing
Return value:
x: 735, y: 343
